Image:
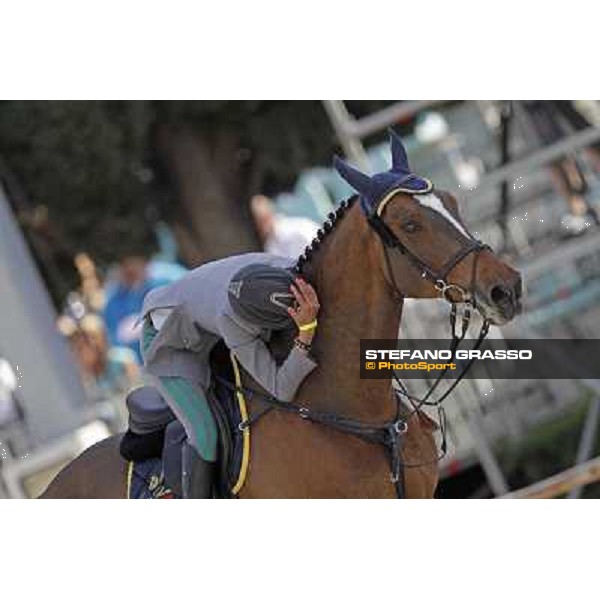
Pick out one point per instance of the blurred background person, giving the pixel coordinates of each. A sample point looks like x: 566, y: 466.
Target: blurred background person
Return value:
x: 124, y: 298
x: 280, y: 234
x: 105, y: 370
x: 91, y: 290
x: 552, y: 120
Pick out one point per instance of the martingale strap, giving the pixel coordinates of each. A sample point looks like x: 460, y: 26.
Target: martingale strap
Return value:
x: 389, y: 434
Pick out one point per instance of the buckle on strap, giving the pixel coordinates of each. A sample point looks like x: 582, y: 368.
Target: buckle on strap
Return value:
x: 396, y: 429
x: 443, y: 288
x: 400, y: 427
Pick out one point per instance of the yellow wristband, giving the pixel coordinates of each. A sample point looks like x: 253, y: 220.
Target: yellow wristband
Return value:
x: 309, y: 326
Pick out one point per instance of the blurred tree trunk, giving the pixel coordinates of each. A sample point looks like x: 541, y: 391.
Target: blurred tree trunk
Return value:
x: 53, y: 256
x: 212, y: 218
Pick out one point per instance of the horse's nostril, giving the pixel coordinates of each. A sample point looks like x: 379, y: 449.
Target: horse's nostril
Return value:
x: 500, y: 295
x: 519, y: 288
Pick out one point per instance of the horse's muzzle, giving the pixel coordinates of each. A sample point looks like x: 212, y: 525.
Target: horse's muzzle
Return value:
x: 505, y: 297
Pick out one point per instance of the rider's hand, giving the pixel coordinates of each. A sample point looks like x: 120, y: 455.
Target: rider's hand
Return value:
x: 307, y: 303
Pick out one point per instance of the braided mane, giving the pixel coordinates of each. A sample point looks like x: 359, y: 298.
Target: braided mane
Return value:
x: 333, y: 219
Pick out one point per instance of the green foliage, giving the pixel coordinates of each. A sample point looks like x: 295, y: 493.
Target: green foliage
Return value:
x: 548, y: 448
x: 83, y: 159
x: 76, y: 158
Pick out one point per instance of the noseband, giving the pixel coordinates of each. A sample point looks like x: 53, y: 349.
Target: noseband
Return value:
x: 439, y: 277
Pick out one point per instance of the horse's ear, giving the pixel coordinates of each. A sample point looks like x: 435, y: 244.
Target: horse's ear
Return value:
x: 399, y: 157
x: 359, y: 181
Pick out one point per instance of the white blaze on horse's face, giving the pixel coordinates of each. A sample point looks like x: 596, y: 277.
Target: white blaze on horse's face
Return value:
x: 434, y: 203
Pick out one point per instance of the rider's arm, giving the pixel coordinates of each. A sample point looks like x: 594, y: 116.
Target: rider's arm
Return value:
x: 282, y: 381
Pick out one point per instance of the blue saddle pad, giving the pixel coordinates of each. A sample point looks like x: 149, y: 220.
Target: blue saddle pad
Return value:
x: 154, y: 465
x: 145, y: 481
x: 228, y: 422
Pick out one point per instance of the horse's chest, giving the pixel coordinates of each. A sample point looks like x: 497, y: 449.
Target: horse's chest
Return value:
x: 291, y: 458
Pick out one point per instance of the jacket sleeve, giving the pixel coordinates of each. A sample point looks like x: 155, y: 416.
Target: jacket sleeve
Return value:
x: 282, y: 381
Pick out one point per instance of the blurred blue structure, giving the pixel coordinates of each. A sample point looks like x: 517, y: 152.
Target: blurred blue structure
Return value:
x: 123, y: 303
x: 318, y: 190
x: 165, y: 271
x: 167, y: 244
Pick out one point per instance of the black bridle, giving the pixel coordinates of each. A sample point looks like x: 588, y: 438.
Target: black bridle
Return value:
x: 439, y: 276
x: 390, y: 434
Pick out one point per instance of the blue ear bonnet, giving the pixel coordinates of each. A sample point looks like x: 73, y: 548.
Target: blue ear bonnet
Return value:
x: 375, y: 188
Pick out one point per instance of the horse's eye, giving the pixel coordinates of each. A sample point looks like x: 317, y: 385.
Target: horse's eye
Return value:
x: 411, y: 226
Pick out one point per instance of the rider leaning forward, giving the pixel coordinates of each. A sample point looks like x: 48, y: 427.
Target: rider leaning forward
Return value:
x: 240, y: 300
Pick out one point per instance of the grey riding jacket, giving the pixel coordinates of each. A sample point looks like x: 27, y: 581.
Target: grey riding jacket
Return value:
x: 201, y: 315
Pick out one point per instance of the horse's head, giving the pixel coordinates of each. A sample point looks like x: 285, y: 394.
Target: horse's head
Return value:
x: 427, y: 249
x: 441, y: 258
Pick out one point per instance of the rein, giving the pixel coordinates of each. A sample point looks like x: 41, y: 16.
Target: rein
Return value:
x: 390, y: 241
x: 468, y: 297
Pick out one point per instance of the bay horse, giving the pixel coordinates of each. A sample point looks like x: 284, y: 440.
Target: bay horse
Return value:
x: 362, y: 267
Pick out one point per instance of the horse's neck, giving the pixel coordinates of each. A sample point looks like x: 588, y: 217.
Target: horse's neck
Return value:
x: 356, y: 303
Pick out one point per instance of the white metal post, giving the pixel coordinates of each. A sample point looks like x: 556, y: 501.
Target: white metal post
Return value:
x: 50, y: 388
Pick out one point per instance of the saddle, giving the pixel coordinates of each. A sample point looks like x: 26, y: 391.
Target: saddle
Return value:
x: 153, y: 442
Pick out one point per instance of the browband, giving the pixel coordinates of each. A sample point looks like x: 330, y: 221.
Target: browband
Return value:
x: 382, y: 203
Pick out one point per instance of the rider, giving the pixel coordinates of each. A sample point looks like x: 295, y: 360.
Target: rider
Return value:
x: 240, y: 300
